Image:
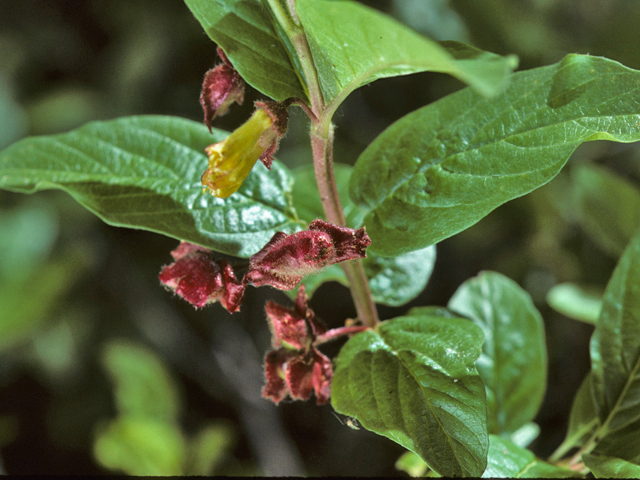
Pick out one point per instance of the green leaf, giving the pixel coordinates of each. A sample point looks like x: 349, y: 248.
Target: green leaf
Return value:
x: 144, y: 172
x: 507, y: 460
x: 579, y: 302
x: 525, y: 434
x: 353, y: 45
x: 615, y: 360
x: 513, y: 364
x: 411, y: 464
x: 247, y: 34
x: 414, y: 381
x: 141, y: 446
x: 583, y: 419
x: 208, y: 449
x: 610, y: 467
x: 445, y: 166
x: 393, y: 281
x: 143, y: 385
x: 608, y: 207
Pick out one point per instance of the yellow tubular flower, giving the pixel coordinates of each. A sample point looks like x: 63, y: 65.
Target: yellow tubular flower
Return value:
x: 231, y: 160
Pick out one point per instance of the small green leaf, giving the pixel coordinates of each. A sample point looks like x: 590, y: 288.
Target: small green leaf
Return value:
x: 608, y: 207
x: 579, y: 302
x: 144, y: 172
x: 443, y: 167
x: 507, y: 460
x: 208, y: 449
x: 513, y: 364
x: 353, y: 45
x: 615, y: 360
x: 143, y: 385
x: 583, y: 419
x: 246, y: 32
x: 411, y: 464
x: 525, y: 434
x: 141, y: 446
x: 610, y: 467
x: 414, y: 381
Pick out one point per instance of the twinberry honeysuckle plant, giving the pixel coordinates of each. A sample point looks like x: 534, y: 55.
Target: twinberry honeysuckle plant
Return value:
x: 457, y: 386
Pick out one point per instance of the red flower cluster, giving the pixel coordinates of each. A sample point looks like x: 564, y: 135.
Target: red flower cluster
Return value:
x: 287, y: 258
x: 222, y: 86
x: 198, y: 278
x: 295, y: 367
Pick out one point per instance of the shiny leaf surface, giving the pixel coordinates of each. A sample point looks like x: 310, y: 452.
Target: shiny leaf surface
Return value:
x: 513, y: 364
x: 245, y: 30
x: 353, y: 45
x: 414, y: 381
x: 144, y: 172
x: 445, y: 166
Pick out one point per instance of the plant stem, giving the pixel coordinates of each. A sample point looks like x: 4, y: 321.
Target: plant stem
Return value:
x: 339, y: 332
x: 322, y: 147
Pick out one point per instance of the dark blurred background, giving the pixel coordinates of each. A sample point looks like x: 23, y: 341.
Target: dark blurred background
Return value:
x: 103, y: 371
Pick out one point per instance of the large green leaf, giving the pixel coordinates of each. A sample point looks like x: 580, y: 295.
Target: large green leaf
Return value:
x: 513, y: 364
x: 507, y: 460
x: 414, y: 381
x: 443, y: 167
x: 615, y: 360
x: 608, y: 207
x: 393, y: 281
x: 353, y: 45
x: 611, y: 467
x: 144, y: 172
x: 247, y: 33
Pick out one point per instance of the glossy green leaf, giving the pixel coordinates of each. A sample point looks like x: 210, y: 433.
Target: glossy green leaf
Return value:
x: 414, y: 381
x: 353, y: 45
x: 141, y: 446
x: 513, y: 364
x: 608, y: 207
x: 576, y: 301
x: 615, y: 360
x: 143, y: 386
x: 443, y: 167
x: 393, y: 281
x: 507, y: 460
x: 144, y: 172
x: 611, y: 467
x: 245, y: 30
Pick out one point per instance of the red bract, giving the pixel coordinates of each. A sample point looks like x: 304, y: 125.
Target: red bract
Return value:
x: 222, y: 86
x: 198, y: 278
x: 296, y: 368
x: 287, y: 258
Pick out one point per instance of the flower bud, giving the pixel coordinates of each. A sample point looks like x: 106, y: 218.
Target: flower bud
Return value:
x: 198, y: 278
x: 286, y: 259
x: 222, y: 86
x: 231, y: 160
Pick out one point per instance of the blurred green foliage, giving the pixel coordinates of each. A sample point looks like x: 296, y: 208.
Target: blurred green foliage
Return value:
x: 102, y: 371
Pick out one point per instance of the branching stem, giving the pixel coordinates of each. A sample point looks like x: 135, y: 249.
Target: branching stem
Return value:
x: 322, y: 147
